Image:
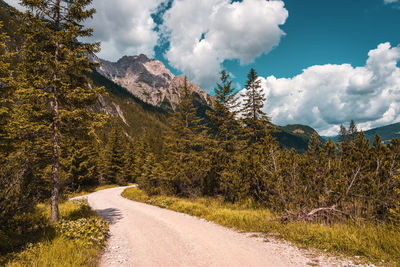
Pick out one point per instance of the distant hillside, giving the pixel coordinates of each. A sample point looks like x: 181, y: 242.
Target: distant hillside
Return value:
x: 387, y: 133
x: 134, y: 115
x: 11, y: 20
x: 295, y: 136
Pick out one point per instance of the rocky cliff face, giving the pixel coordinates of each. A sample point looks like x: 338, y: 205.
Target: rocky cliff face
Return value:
x: 149, y: 80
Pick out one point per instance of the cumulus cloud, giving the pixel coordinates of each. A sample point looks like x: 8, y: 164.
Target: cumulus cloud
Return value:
x: 203, y: 34
x: 325, y: 96
x: 125, y: 27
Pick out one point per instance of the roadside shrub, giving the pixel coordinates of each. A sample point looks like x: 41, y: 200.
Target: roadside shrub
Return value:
x: 57, y: 252
x: 76, y: 241
x: 395, y: 211
x: 92, y: 231
x: 136, y: 194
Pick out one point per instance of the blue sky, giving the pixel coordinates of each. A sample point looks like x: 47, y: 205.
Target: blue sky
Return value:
x: 326, y: 31
x: 321, y: 62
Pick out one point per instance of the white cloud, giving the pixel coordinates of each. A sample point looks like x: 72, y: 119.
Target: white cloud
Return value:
x: 205, y: 33
x: 202, y: 34
x: 394, y: 3
x: 14, y: 3
x: 124, y: 27
x: 325, y: 96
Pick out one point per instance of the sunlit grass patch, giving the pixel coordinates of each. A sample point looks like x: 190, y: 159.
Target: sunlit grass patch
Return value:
x: 135, y: 193
x: 57, y: 252
x: 76, y: 241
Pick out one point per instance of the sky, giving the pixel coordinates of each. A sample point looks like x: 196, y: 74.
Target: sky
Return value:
x: 321, y: 62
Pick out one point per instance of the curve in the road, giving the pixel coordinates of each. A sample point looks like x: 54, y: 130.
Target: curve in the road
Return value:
x: 144, y: 235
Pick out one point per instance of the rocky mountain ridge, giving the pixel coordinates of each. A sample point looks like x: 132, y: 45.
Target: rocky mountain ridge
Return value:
x: 149, y: 80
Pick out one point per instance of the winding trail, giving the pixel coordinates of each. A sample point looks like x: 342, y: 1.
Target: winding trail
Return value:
x: 144, y: 235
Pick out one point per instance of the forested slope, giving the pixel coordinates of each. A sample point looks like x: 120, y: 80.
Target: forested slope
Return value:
x: 387, y: 133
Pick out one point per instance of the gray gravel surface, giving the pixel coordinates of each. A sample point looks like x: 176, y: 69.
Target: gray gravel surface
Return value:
x: 144, y: 235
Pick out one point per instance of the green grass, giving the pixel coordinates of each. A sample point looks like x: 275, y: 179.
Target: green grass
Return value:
x: 372, y: 243
x: 57, y: 252
x: 55, y: 249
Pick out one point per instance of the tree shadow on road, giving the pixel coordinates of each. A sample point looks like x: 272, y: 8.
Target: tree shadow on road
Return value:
x: 111, y: 215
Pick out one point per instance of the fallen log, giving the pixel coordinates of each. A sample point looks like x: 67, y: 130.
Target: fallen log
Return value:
x: 329, y: 210
x: 303, y: 216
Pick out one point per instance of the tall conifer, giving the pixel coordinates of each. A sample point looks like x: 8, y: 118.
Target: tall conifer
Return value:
x: 6, y: 88
x: 113, y: 156
x: 185, y: 145
x: 254, y: 118
x: 223, y: 130
x: 57, y: 93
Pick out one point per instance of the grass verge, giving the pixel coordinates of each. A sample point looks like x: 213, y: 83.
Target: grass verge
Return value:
x: 372, y: 243
x: 76, y: 241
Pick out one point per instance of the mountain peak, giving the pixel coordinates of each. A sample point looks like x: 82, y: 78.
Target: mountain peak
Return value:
x: 149, y: 80
x: 140, y: 58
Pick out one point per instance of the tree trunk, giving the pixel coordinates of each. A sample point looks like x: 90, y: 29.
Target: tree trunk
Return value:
x: 55, y: 186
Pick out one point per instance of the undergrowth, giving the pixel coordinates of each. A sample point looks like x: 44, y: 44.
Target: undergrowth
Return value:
x: 374, y: 243
x: 76, y: 241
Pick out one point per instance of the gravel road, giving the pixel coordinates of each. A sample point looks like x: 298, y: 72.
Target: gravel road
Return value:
x: 144, y: 235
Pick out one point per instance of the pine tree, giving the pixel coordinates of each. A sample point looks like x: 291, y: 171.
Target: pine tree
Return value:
x: 129, y: 157
x: 21, y: 188
x: 343, y: 134
x: 315, y: 180
x: 141, y: 150
x: 185, y: 144
x: 79, y: 162
x: 394, y: 211
x: 56, y: 92
x: 255, y: 120
x: 114, y: 163
x: 8, y: 196
x: 225, y: 109
x: 223, y: 130
x: 330, y: 148
x: 6, y: 88
x: 393, y: 192
x: 352, y: 130
x: 152, y: 177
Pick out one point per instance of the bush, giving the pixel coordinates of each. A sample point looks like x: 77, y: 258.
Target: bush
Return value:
x: 76, y: 241
x: 91, y: 231
x: 60, y: 252
x: 394, y: 212
x: 136, y: 194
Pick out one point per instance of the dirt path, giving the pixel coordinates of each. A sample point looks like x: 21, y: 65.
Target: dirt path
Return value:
x: 144, y: 235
